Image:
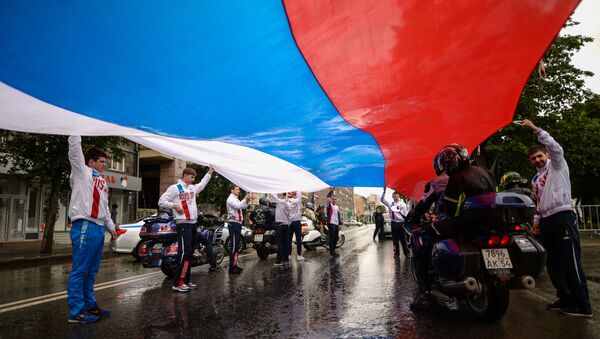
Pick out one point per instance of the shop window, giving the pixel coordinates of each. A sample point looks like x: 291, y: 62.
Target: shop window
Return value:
x: 117, y: 164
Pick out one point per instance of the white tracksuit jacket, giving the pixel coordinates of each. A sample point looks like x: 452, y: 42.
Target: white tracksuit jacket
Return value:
x: 186, y: 199
x: 282, y: 212
x: 296, y: 207
x: 396, y: 209
x: 234, y: 208
x: 89, y: 190
x: 552, y: 185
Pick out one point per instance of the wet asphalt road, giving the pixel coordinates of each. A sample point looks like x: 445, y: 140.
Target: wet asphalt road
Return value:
x: 363, y: 293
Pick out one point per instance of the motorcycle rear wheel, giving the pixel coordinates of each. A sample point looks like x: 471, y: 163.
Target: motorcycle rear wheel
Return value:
x: 169, y: 268
x: 262, y: 252
x: 491, y: 304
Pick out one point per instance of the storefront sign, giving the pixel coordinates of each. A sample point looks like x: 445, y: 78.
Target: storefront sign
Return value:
x: 123, y: 181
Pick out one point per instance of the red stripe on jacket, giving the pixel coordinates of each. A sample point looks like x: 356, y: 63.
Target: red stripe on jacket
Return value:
x: 186, y: 209
x: 95, y: 203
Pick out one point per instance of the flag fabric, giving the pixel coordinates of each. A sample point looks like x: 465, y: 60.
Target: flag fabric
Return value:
x: 277, y: 95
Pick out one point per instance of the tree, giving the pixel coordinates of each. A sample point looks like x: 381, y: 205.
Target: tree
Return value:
x: 43, y: 158
x: 217, y: 190
x: 562, y: 105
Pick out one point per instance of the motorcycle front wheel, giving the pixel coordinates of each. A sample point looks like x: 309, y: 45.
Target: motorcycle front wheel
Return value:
x: 491, y: 303
x: 219, y: 252
x: 341, y: 241
x: 308, y: 247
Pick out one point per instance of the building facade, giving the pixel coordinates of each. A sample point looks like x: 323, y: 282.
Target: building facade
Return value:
x: 345, y: 200
x: 360, y: 208
x: 23, y: 204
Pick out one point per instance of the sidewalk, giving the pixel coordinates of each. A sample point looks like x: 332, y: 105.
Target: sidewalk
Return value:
x: 61, y: 249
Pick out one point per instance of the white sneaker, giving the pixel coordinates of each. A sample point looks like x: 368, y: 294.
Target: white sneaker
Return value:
x: 278, y: 264
x: 183, y: 288
x: 191, y: 286
x: 300, y: 257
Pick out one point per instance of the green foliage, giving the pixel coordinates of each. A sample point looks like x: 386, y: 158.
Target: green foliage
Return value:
x: 41, y: 157
x: 217, y: 190
x: 44, y: 158
x: 561, y: 105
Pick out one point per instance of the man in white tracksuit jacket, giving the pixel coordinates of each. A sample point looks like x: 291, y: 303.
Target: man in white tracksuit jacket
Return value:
x: 90, y: 215
x: 235, y: 217
x: 181, y: 199
x: 282, y: 222
x: 397, y: 210
x: 557, y: 225
x: 295, y: 201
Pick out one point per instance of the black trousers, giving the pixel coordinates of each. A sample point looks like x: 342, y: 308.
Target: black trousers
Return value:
x: 283, y: 249
x: 560, y: 237
x: 295, y: 228
x: 378, y: 230
x: 334, y: 234
x: 398, y: 235
x: 235, y: 233
x: 185, y: 237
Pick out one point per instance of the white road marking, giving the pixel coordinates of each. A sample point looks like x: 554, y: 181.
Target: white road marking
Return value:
x: 60, y: 295
x: 15, y: 305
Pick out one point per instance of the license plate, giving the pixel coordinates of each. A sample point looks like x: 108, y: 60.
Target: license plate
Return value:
x: 258, y: 237
x: 496, y: 258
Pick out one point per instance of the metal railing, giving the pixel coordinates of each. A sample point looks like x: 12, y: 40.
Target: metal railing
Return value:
x: 589, y: 217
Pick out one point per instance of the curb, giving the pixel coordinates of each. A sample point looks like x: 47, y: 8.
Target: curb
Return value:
x: 58, y: 256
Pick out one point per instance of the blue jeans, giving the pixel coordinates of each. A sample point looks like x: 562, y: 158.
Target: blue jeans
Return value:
x: 87, y: 241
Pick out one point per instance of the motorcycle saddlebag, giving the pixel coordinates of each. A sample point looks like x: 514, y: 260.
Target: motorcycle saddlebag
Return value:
x: 154, y: 228
x: 498, y: 209
x: 453, y: 259
x: 270, y: 237
x: 528, y: 256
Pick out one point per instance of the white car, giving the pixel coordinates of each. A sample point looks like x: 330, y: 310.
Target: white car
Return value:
x: 352, y: 223
x: 128, y: 237
x: 387, y: 225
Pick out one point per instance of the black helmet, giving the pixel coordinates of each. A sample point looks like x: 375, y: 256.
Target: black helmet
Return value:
x: 511, y: 179
x: 263, y: 201
x: 310, y: 205
x: 436, y: 165
x: 452, y: 158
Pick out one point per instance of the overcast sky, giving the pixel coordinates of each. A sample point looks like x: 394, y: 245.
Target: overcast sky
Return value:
x: 588, y: 15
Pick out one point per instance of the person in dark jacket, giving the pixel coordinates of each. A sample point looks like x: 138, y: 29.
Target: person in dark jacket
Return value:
x: 515, y: 183
x: 464, y: 181
x: 379, y: 221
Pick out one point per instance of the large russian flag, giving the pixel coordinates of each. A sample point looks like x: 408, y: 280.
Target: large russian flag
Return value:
x: 277, y: 95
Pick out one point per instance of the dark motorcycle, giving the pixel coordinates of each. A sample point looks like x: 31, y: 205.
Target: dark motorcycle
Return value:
x: 497, y: 254
x: 264, y: 239
x: 159, y: 243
